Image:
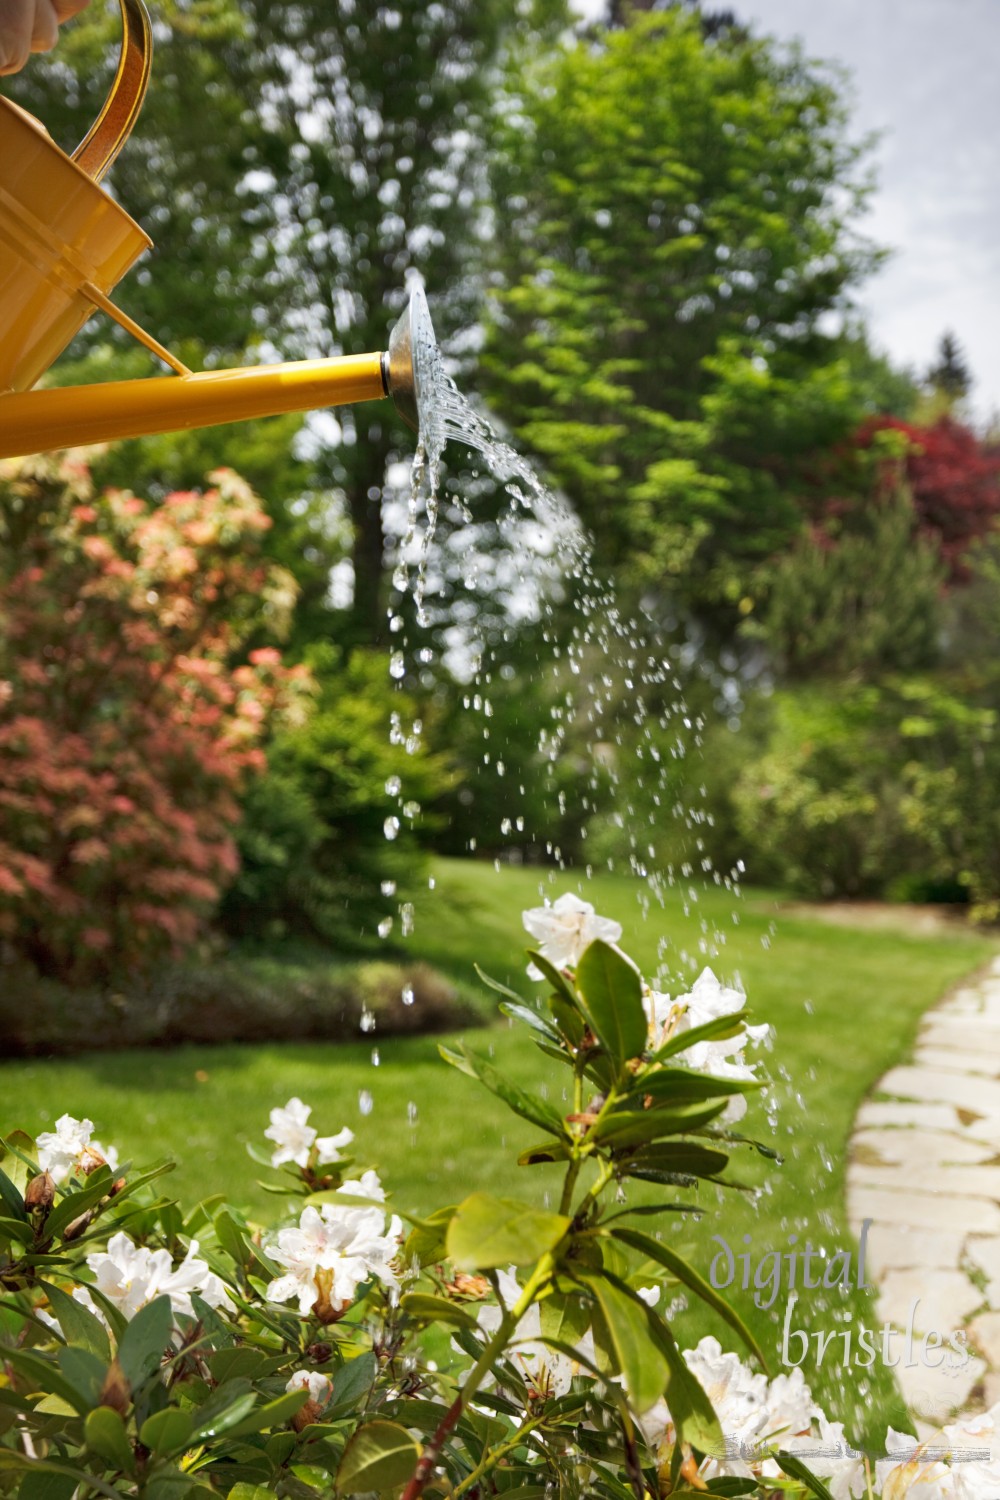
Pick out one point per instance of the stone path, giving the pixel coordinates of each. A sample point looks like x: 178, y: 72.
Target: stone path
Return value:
x: 925, y: 1169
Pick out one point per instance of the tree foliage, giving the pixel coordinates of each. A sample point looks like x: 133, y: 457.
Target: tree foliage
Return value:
x: 127, y: 719
x: 675, y: 225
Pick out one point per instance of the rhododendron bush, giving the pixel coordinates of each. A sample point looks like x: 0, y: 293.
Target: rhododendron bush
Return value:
x: 127, y: 718
x: 491, y: 1347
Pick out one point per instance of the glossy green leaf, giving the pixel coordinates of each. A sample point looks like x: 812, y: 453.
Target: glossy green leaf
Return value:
x: 84, y: 1371
x: 488, y: 1232
x: 708, y: 1031
x: 17, y: 1230
x: 547, y: 1152
x: 684, y: 1083
x: 425, y: 1308
x: 169, y: 1431
x: 11, y: 1197
x: 685, y: 1157
x: 250, y: 1492
x: 353, y: 1378
x: 78, y: 1323
x: 267, y: 1415
x: 565, y: 1317
x: 652, y: 1249
x: 528, y: 1106
x: 636, y: 1355
x: 796, y: 1469
x: 224, y: 1417
x: 693, y: 1413
x: 378, y: 1456
x: 623, y: 1128
x: 105, y: 1435
x: 75, y: 1204
x: 144, y: 1342
x: 425, y: 1242
x: 610, y: 991
x: 531, y: 1019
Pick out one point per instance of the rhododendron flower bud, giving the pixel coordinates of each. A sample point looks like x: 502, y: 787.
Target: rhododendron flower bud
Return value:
x: 40, y: 1193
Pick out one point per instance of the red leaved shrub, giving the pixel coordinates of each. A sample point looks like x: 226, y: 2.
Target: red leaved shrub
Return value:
x: 953, y: 478
x: 125, y: 727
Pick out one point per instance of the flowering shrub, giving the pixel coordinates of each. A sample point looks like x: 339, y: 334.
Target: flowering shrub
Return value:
x: 125, y: 728
x: 156, y: 1352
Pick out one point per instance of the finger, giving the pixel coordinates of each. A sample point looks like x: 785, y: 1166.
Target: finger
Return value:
x: 45, y: 31
x: 17, y: 22
x: 66, y: 9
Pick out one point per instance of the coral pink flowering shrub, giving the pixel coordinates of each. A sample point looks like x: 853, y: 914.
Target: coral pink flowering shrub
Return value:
x: 126, y: 724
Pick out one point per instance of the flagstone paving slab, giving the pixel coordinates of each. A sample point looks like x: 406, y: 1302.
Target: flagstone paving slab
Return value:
x: 924, y: 1167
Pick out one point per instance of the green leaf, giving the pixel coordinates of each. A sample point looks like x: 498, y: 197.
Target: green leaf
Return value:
x: 501, y: 989
x: 424, y: 1308
x: 16, y: 1229
x: 488, y: 1232
x: 528, y: 1106
x: 250, y: 1492
x: 547, y: 1152
x: 379, y: 1456
x: 685, y: 1157
x: 353, y: 1378
x: 276, y: 1413
x: 557, y: 979
x: 223, y: 1417
x: 425, y: 1242
x: 105, y: 1435
x: 564, y: 1316
x: 78, y: 1323
x: 45, y: 1376
x: 794, y: 1467
x: 144, y: 1342
x: 610, y: 991
x: 530, y: 1018
x: 18, y: 1151
x: 84, y: 1371
x: 693, y: 1413
x: 47, y: 1485
x: 679, y: 1268
x: 76, y: 1203
x: 708, y: 1031
x: 623, y: 1128
x: 11, y: 1197
x: 167, y: 1431
x: 569, y: 1020
x: 637, y: 1356
x: 682, y: 1083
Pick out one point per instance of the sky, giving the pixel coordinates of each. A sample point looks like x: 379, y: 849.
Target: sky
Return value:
x: 925, y: 75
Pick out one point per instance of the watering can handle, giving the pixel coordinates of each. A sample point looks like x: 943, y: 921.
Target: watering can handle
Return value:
x: 113, y: 125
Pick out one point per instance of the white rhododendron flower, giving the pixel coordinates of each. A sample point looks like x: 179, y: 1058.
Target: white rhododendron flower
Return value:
x: 563, y: 930
x: 69, y: 1148
x: 367, y: 1185
x: 546, y: 1370
x: 294, y: 1138
x: 130, y: 1275
x: 974, y: 1479
x: 707, y: 1000
x: 331, y: 1251
x: 319, y: 1386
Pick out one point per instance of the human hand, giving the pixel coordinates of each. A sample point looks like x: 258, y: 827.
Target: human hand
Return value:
x: 28, y: 26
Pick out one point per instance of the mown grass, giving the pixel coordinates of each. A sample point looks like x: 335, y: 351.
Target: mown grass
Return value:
x: 844, y: 1002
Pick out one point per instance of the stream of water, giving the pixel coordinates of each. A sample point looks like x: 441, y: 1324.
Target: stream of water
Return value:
x: 613, y: 686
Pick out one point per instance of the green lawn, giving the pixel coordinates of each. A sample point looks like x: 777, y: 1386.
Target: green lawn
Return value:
x: 844, y: 1002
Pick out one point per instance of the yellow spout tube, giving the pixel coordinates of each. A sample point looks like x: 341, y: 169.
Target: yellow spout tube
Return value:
x: 73, y: 416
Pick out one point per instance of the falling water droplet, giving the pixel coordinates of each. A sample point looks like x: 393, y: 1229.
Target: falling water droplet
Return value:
x: 385, y: 927
x: 391, y: 827
x: 397, y: 665
x: 367, y: 1022
x: 408, y: 995
x: 365, y: 1102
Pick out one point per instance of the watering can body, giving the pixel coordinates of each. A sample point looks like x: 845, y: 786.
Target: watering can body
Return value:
x: 65, y: 244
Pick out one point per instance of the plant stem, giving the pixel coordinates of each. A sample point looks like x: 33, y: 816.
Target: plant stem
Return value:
x: 496, y: 1346
x: 492, y: 1458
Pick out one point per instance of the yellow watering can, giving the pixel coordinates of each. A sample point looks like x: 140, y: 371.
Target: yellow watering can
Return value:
x: 65, y: 244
